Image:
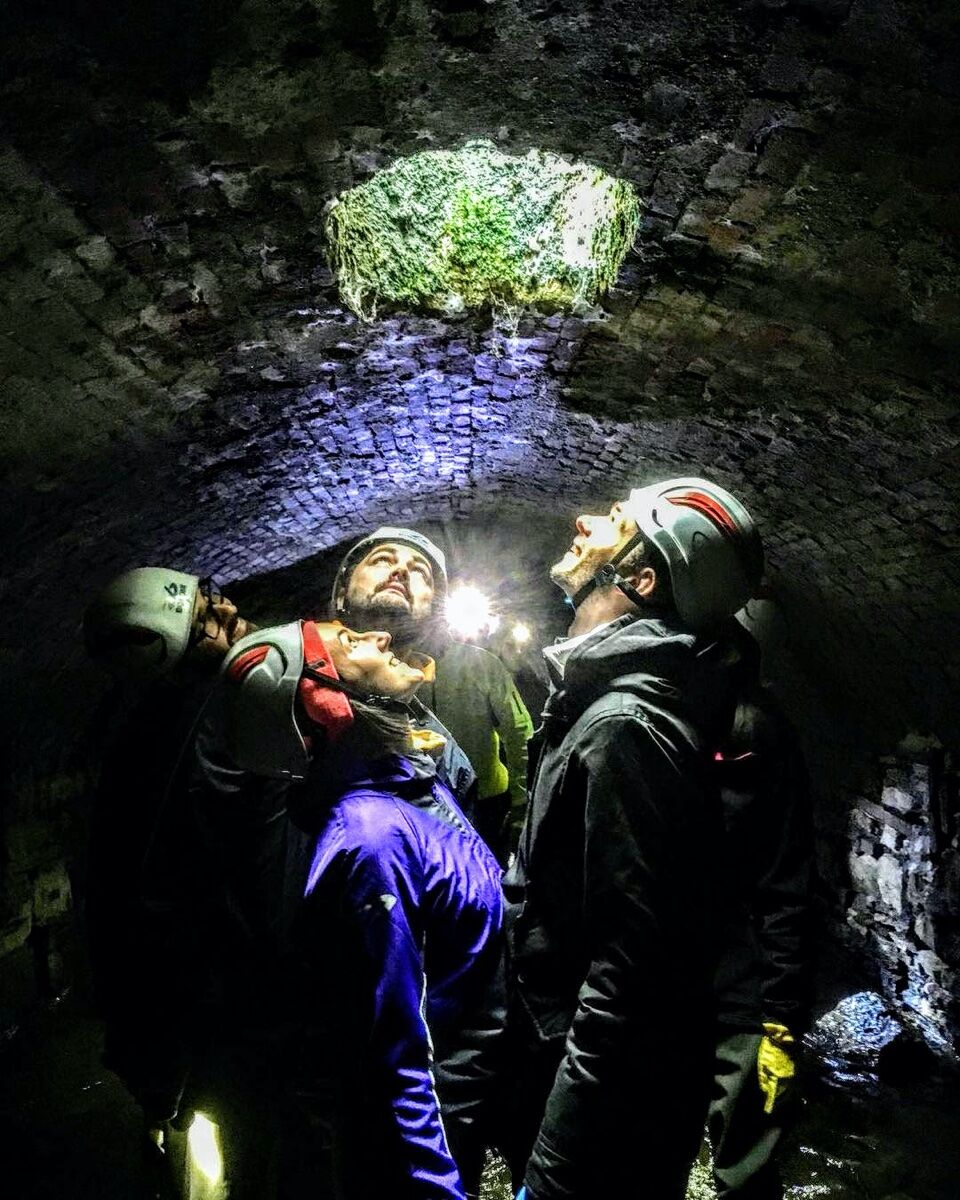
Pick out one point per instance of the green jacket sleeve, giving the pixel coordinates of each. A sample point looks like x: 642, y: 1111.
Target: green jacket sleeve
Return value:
x: 515, y: 729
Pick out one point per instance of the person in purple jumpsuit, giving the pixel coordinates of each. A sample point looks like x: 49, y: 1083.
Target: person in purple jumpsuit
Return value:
x: 397, y: 945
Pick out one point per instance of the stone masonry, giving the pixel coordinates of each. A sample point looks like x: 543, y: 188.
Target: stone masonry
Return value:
x: 182, y: 382
x: 905, y: 901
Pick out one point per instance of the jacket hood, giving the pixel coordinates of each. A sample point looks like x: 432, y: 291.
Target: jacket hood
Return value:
x: 660, y: 662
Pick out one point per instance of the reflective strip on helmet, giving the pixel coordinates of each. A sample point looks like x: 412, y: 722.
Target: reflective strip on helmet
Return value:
x: 246, y: 662
x: 710, y: 508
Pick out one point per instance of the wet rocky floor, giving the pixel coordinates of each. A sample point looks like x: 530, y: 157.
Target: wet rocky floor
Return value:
x: 859, y: 1137
x: 68, y: 1131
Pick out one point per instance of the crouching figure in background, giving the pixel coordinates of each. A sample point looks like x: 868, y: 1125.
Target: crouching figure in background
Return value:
x: 395, y: 948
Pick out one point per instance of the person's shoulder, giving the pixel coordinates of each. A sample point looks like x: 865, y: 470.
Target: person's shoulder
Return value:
x: 465, y: 656
x: 373, y: 821
x: 612, y: 716
x: 618, y: 709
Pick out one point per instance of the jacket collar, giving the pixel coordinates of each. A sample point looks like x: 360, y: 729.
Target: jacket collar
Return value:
x: 556, y: 655
x: 656, y: 659
x: 411, y: 777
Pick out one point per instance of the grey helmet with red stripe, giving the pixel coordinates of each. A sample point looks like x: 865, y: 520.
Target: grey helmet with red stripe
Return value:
x: 260, y: 677
x: 279, y: 690
x: 709, y: 542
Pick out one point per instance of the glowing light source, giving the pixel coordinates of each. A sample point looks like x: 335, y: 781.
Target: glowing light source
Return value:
x: 204, y: 1142
x: 468, y: 612
x: 521, y: 633
x: 453, y: 229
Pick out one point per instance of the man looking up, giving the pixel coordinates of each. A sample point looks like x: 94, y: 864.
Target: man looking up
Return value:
x: 396, y: 579
x: 156, y: 622
x: 612, y: 941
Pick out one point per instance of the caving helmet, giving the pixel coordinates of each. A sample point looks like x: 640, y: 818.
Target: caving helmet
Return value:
x: 706, y: 538
x: 140, y: 624
x: 269, y: 678
x: 709, y: 542
x: 389, y: 533
x: 260, y: 677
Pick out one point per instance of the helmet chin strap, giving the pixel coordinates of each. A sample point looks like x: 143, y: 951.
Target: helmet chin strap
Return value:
x: 608, y: 576
x: 391, y: 703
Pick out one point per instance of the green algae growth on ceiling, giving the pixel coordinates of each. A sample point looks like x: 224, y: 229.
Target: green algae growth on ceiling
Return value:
x: 451, y: 230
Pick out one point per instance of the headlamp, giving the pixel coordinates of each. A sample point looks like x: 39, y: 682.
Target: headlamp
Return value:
x: 521, y: 633
x: 204, y: 1141
x: 468, y: 613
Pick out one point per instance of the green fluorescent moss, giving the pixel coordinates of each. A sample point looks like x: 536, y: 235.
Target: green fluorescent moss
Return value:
x: 448, y: 230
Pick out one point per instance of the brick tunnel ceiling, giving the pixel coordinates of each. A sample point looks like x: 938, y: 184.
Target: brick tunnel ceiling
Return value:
x: 183, y: 383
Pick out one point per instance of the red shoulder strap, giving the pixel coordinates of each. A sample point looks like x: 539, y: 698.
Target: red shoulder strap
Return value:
x: 325, y: 706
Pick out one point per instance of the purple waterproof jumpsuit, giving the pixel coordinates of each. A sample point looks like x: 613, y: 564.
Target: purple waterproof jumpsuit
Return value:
x: 403, y: 910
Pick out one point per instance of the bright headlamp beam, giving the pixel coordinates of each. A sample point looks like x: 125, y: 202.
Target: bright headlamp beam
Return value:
x: 468, y: 612
x: 521, y: 633
x: 204, y: 1143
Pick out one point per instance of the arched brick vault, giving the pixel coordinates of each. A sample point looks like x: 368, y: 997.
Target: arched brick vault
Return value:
x: 182, y: 383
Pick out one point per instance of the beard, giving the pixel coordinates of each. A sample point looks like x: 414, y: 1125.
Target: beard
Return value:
x: 382, y: 612
x: 570, y: 578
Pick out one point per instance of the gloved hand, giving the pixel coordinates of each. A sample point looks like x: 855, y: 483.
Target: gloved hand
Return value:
x: 776, y: 1067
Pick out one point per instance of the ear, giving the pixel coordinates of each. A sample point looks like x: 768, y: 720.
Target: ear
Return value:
x: 644, y: 581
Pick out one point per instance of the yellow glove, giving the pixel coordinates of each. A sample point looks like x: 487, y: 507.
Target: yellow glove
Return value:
x: 776, y: 1067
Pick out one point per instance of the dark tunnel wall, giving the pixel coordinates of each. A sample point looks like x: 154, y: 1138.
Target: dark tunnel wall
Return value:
x: 182, y: 384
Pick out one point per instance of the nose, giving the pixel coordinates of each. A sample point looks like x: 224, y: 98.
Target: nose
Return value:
x: 380, y: 638
x: 583, y: 524
x: 400, y: 571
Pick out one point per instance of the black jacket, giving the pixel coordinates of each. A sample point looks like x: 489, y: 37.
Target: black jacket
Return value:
x: 766, y: 964
x: 137, y: 958
x: 612, y: 929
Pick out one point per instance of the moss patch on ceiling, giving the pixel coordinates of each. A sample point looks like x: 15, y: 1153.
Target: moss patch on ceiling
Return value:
x: 450, y: 230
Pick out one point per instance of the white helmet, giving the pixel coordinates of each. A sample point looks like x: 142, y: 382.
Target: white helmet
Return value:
x: 710, y: 544
x: 140, y: 623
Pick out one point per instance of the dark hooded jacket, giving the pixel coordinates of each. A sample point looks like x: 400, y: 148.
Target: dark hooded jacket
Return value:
x: 614, y: 907
x: 765, y: 971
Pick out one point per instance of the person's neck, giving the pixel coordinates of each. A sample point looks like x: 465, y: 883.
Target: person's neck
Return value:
x: 406, y: 635
x: 599, y: 607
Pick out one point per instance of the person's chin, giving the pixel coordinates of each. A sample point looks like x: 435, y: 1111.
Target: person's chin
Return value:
x: 563, y: 575
x: 394, y: 618
x: 389, y: 601
x: 402, y: 688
